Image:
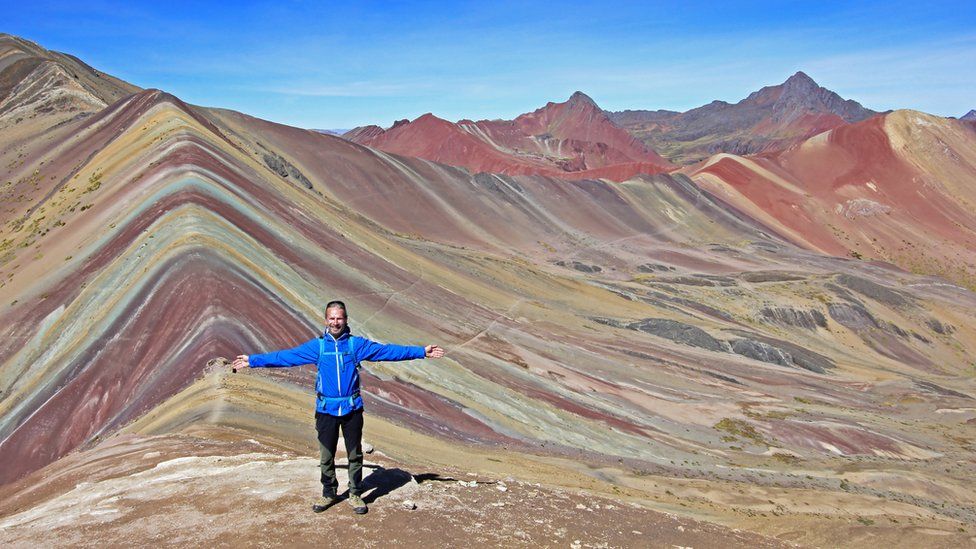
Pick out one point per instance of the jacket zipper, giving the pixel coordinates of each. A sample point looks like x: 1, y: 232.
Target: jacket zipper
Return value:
x: 338, y: 375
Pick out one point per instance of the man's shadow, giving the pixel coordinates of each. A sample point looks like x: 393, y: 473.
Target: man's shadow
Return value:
x: 381, y: 481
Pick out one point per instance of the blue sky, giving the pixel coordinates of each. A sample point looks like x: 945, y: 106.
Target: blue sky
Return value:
x: 341, y: 64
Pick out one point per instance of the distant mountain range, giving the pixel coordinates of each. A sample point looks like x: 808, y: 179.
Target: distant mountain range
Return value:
x: 572, y: 140
x: 331, y: 132
x: 971, y: 115
x: 577, y: 139
x: 774, y: 117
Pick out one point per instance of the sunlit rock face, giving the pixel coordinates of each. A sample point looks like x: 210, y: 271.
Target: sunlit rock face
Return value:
x: 709, y: 325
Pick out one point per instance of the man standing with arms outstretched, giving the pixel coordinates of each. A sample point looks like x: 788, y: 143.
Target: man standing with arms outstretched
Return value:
x: 338, y: 404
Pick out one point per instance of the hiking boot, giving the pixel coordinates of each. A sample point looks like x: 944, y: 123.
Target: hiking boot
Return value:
x: 358, y: 505
x: 322, y: 503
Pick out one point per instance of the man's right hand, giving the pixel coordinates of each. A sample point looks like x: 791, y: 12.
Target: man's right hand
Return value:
x: 241, y: 362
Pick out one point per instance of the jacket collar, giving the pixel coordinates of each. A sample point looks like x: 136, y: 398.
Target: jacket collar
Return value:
x: 345, y: 333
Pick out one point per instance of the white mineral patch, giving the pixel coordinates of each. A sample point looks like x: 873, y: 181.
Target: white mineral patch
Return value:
x: 919, y: 121
x: 954, y: 410
x: 831, y: 448
x: 103, y: 501
x: 862, y: 207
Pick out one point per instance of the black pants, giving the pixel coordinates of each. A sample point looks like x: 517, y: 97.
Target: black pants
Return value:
x: 328, y: 435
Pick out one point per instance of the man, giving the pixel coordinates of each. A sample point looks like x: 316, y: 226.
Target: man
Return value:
x: 339, y: 404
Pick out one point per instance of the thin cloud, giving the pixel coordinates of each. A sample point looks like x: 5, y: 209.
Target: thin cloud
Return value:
x: 350, y: 89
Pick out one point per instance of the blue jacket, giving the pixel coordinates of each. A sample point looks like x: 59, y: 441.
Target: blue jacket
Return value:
x: 338, y: 362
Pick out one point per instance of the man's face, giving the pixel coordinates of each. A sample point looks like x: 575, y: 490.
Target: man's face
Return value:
x: 336, y: 318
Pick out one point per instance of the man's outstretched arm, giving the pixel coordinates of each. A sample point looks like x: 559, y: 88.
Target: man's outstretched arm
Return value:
x: 306, y: 353
x: 379, y: 352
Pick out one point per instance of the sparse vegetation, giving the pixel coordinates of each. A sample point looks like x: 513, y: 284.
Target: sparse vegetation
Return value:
x: 788, y: 459
x: 94, y: 182
x: 739, y: 428
x: 772, y: 414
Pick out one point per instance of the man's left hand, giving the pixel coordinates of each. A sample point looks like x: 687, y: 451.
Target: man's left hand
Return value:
x: 433, y: 351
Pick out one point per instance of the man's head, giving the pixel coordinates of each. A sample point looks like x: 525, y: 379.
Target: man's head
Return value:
x: 335, y: 317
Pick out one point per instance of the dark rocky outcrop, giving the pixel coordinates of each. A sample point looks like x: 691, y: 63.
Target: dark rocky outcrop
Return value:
x: 893, y: 328
x: 608, y: 321
x: 875, y: 291
x: 788, y: 316
x: 852, y: 315
x: 285, y: 168
x: 581, y: 267
x: 679, y: 332
x: 653, y: 267
x: 781, y: 352
x: 920, y: 337
x: 760, y: 351
x: 721, y: 377
x: 750, y: 345
x: 938, y: 327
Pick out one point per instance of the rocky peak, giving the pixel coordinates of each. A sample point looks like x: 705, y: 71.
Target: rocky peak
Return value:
x: 971, y: 115
x: 578, y: 109
x: 800, y: 81
x: 580, y: 98
x: 800, y: 93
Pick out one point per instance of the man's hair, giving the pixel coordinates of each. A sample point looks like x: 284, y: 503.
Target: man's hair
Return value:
x: 336, y: 304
